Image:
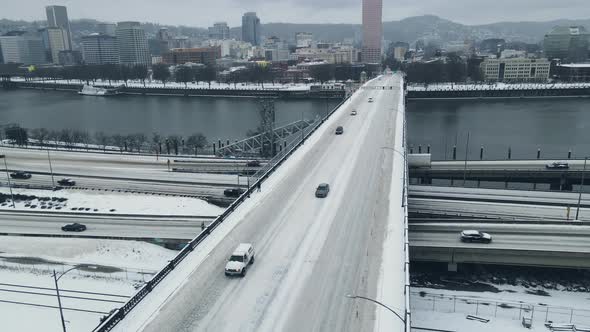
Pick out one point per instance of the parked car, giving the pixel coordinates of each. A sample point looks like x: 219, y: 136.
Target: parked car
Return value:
x: 353, y: 112
x: 239, y: 261
x: 66, y: 182
x: 339, y: 130
x: 20, y: 175
x: 233, y: 192
x: 557, y: 165
x: 475, y: 236
x: 322, y: 190
x: 253, y: 163
x: 75, y: 227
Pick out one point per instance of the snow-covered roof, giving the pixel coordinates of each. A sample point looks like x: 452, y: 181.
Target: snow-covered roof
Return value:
x: 576, y: 65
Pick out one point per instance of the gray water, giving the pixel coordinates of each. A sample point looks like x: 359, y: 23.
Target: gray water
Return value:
x: 216, y: 118
x: 553, y: 125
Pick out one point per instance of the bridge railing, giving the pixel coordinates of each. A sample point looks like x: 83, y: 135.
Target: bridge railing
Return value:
x: 118, y: 315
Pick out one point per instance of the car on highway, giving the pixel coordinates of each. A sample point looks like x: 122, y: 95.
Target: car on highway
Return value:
x: 240, y: 260
x: 557, y: 165
x: 370, y: 99
x: 353, y: 112
x: 253, y: 163
x: 322, y: 190
x: 75, y: 227
x: 475, y: 236
x: 233, y: 192
x: 20, y: 175
x: 339, y: 130
x: 66, y: 182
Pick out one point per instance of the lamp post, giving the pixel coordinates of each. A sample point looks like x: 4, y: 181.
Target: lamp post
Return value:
x: 352, y: 296
x: 581, y: 189
x: 50, y: 168
x: 3, y: 156
x: 56, y: 279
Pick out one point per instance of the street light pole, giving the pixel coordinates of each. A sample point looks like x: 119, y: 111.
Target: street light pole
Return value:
x: 56, y: 279
x: 3, y: 156
x: 50, y: 169
x: 350, y: 296
x: 581, y: 189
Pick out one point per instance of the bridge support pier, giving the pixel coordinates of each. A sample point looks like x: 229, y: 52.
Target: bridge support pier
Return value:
x: 452, y: 267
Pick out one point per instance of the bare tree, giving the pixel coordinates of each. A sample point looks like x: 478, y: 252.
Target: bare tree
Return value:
x: 102, y: 139
x: 40, y: 134
x: 119, y: 141
x: 65, y: 136
x: 196, y: 141
x: 157, y: 143
x: 139, y: 141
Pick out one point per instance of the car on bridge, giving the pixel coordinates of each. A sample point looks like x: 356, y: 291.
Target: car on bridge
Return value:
x: 322, y: 190
x: 233, y: 192
x: 75, y: 227
x: 339, y: 130
x: 557, y: 165
x: 353, y: 113
x: 21, y: 175
x: 475, y: 236
x: 239, y: 261
x: 370, y: 99
x: 66, y: 182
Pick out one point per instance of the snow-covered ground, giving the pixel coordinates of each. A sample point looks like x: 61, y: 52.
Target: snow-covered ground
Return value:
x: 26, y: 280
x: 109, y: 202
x: 495, y: 86
x: 447, y: 310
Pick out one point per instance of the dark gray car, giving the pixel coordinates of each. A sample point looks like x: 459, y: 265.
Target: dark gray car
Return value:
x: 322, y: 190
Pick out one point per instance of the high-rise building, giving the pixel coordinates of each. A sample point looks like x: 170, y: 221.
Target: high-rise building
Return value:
x: 107, y: 29
x: 251, y: 28
x: 372, y: 31
x: 99, y: 49
x: 19, y: 47
x: 55, y: 40
x: 132, y: 43
x: 303, y: 39
x: 569, y: 44
x: 219, y: 31
x: 57, y: 17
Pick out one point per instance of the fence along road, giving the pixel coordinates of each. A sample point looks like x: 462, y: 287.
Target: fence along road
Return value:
x: 310, y: 252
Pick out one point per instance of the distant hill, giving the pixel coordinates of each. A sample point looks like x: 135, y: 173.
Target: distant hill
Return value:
x: 426, y: 27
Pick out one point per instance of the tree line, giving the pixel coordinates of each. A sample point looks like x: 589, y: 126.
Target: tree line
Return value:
x: 76, y: 139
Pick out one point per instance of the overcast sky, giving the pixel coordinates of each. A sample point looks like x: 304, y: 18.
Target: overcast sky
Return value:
x: 203, y: 13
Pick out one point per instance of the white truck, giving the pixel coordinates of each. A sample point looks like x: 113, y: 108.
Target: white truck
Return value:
x: 240, y: 260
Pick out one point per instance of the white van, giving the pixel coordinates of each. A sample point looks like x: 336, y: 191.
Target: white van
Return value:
x: 239, y: 261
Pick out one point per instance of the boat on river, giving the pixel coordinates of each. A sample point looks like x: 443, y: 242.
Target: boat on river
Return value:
x: 89, y: 90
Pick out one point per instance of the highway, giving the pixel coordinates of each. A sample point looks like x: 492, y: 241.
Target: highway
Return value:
x: 310, y: 252
x: 81, y: 164
x: 124, y: 227
x: 525, y: 165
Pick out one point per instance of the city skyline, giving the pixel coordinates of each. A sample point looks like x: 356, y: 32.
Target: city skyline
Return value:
x: 334, y: 11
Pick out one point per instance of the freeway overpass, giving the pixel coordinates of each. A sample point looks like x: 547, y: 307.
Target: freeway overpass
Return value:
x: 519, y: 171
x: 310, y: 252
x: 528, y: 244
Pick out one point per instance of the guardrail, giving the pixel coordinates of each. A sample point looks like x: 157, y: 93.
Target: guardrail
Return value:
x: 110, y: 322
x: 408, y: 314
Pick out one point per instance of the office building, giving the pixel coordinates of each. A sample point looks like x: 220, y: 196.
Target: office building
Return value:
x: 399, y: 50
x: 19, y: 47
x: 303, y: 39
x: 574, y: 72
x: 99, y: 49
x: 203, y: 55
x: 516, y: 70
x: 55, y: 40
x: 251, y: 28
x: 107, y: 29
x: 70, y: 58
x: 132, y: 44
x: 57, y: 17
x: 219, y: 31
x: 569, y: 44
x: 372, y: 31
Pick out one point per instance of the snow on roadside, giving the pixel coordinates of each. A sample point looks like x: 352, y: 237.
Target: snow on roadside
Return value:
x: 115, y: 253
x: 104, y: 202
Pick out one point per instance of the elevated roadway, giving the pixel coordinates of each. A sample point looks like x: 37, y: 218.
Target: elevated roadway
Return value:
x: 310, y: 252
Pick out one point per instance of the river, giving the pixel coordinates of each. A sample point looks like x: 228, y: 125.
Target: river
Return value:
x: 553, y: 125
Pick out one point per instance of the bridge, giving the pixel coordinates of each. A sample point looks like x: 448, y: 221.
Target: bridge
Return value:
x: 311, y: 252
x: 521, y: 171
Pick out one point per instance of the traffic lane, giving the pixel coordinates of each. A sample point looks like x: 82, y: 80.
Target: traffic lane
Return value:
x: 536, y: 165
x: 342, y: 268
x: 504, y: 241
x: 277, y: 228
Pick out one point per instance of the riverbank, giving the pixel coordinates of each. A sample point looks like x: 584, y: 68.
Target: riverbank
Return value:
x: 196, y: 89
x: 450, y: 91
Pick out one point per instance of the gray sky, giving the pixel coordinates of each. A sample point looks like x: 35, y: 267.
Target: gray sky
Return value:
x: 203, y: 13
